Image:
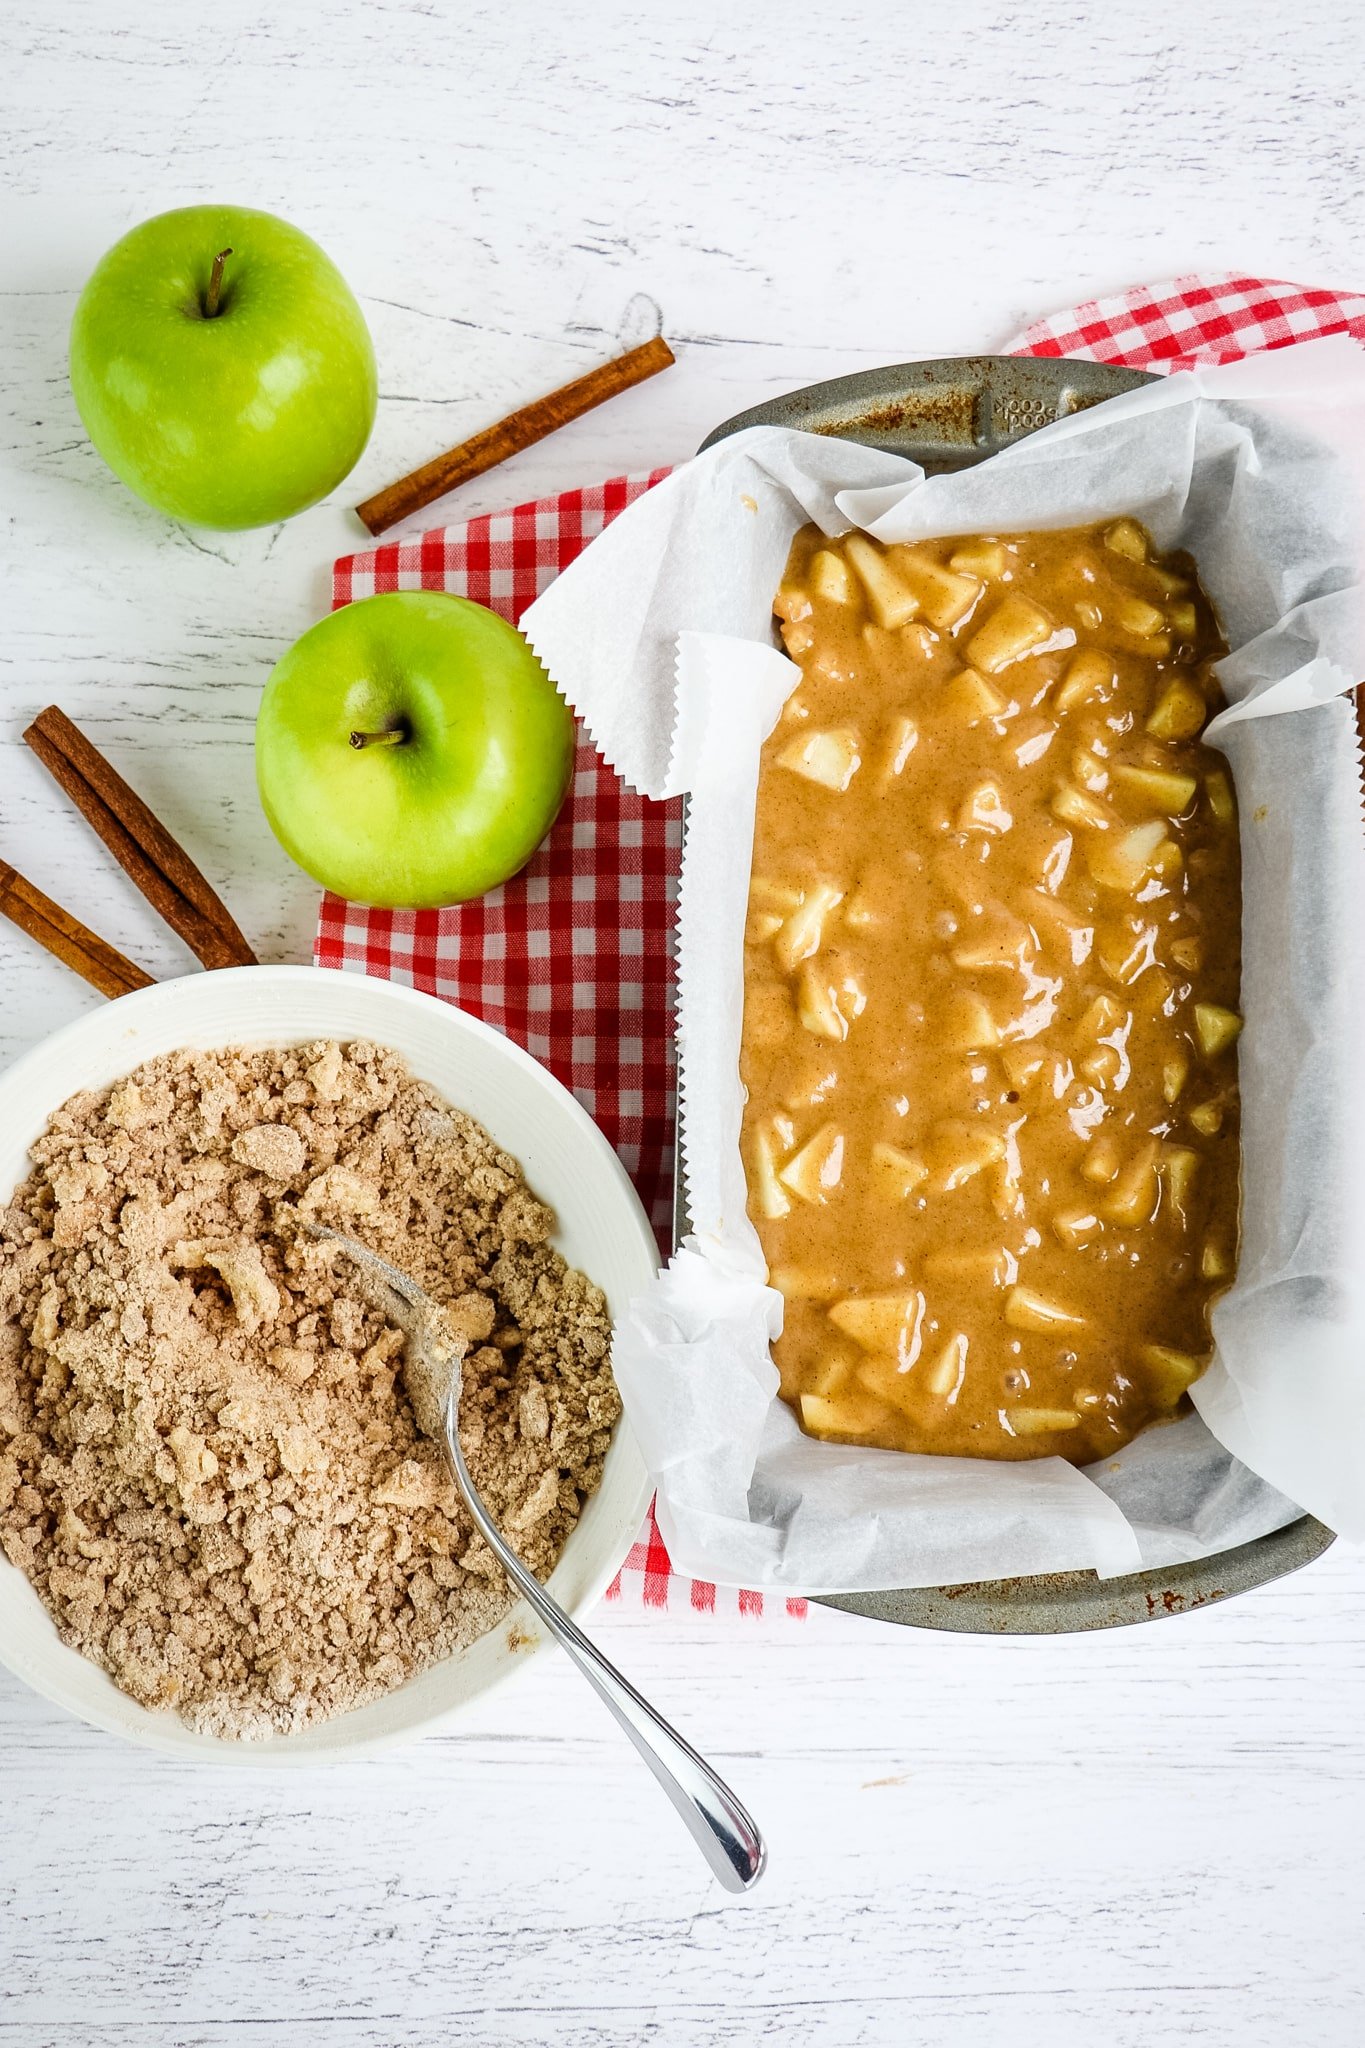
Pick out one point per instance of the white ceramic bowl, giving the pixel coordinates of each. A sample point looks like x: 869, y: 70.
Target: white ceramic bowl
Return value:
x: 602, y: 1229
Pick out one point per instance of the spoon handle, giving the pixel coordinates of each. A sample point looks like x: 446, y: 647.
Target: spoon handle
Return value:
x: 708, y: 1809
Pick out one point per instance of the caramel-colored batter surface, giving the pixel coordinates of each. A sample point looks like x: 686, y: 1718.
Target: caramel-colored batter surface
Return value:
x: 991, y: 975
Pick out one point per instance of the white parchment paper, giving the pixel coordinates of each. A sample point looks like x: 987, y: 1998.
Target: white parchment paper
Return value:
x: 661, y: 637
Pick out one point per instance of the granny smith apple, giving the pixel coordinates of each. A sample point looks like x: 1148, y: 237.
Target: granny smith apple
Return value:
x: 411, y: 751
x: 222, y: 367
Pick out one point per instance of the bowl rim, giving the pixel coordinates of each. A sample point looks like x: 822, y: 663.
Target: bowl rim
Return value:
x: 129, y: 1719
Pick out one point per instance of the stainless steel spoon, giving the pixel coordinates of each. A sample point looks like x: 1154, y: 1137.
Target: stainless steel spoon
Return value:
x: 709, y: 1810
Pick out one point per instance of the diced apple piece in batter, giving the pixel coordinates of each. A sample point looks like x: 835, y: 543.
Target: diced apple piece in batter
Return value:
x: 1076, y: 807
x: 1135, y: 615
x: 984, y: 811
x: 1184, y: 619
x: 792, y: 602
x: 1179, y: 712
x: 829, y: 577
x: 761, y: 925
x: 892, y: 600
x: 993, y: 942
x: 884, y: 1379
x: 1174, y: 1074
x: 944, y: 1374
x: 1208, y: 1118
x: 1104, y: 1016
x: 944, y: 596
x: 767, y: 1190
x: 1089, y: 771
x: 1026, y: 1309
x: 1076, y: 1227
x: 828, y: 1005
x: 1126, y: 537
x: 885, y: 1324
x: 1178, y: 1168
x: 1012, y: 630
x: 1022, y: 1063
x: 1030, y: 740
x: 1188, y: 953
x: 774, y: 895
x: 798, y: 637
x: 984, y: 558
x: 840, y: 1417
x: 1089, y: 614
x: 1133, y: 1196
x: 1161, y: 789
x: 972, y: 699
x: 803, y: 1283
x: 1214, y: 1261
x: 902, y: 737
x: 1126, y: 950
x: 817, y: 1169
x: 1041, y: 1421
x: 1124, y: 862
x: 990, y: 1266
x: 1103, y: 1066
x: 830, y: 1378
x: 968, y: 1025
x: 1102, y: 1159
x: 1153, y: 992
x: 1071, y: 933
x: 1090, y: 674
x: 802, y: 932
x: 1215, y: 1028
x: 958, y: 1151
x: 1056, y: 861
x: 895, y: 1174
x: 830, y: 758
x: 1175, y: 1371
x: 1218, y: 790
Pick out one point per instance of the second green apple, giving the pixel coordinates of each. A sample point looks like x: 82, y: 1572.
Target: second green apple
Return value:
x: 411, y: 751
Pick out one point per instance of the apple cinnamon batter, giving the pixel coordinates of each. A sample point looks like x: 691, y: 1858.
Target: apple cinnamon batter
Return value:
x: 992, y: 971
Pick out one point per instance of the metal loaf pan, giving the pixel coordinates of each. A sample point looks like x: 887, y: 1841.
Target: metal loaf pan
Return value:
x: 948, y: 414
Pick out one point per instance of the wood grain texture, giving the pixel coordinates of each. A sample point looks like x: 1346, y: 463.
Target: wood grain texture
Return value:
x: 1145, y: 1838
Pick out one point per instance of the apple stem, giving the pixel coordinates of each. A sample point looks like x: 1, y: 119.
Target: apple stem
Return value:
x: 215, y: 285
x: 392, y: 736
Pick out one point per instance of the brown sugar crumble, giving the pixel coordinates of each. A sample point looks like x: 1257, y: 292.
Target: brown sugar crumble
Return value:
x: 210, y: 1469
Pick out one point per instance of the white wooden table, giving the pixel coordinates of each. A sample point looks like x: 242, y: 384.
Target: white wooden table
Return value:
x: 1132, y: 1839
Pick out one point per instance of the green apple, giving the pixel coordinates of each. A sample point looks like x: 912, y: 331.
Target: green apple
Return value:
x: 222, y: 367
x: 411, y: 751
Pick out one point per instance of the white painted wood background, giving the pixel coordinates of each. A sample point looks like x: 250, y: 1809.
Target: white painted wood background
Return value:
x: 1136, y: 1839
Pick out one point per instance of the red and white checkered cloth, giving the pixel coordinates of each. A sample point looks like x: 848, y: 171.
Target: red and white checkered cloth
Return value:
x: 572, y: 957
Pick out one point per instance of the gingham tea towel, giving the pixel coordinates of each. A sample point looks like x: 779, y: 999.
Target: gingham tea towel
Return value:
x: 572, y: 957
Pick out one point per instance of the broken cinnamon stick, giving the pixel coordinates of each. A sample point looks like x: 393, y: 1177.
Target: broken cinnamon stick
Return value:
x: 153, y: 859
x: 519, y: 430
x: 66, y: 938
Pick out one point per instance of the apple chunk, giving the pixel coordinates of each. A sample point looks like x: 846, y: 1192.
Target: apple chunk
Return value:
x: 830, y: 758
x: 1015, y: 628
x: 1215, y: 1027
x: 803, y: 931
x: 944, y: 595
x: 818, y: 1168
x: 887, y: 1324
x: 892, y: 600
x: 895, y: 1174
x: 1161, y: 789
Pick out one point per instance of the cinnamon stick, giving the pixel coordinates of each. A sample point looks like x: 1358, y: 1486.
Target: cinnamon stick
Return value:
x: 519, y: 430
x: 139, y: 842
x: 66, y: 938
